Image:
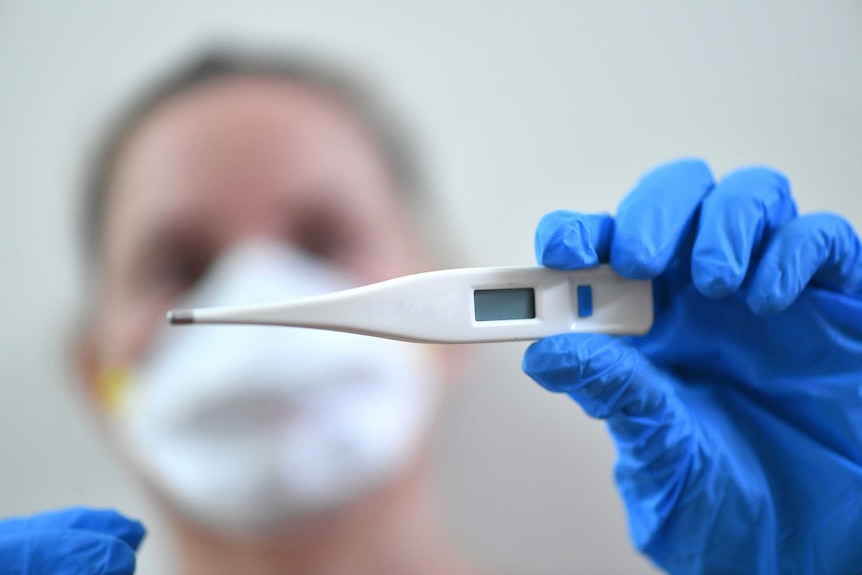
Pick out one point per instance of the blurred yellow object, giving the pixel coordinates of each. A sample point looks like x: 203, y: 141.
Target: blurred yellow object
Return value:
x: 111, y: 387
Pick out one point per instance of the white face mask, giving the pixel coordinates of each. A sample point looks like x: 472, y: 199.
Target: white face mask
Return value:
x: 249, y: 428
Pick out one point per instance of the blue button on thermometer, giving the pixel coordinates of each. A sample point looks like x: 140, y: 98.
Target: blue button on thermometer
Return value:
x: 462, y: 306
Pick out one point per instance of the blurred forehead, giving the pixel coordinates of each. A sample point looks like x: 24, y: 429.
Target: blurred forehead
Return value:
x: 235, y: 149
x: 239, y: 120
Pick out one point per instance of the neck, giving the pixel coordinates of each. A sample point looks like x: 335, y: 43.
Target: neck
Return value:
x: 393, y: 531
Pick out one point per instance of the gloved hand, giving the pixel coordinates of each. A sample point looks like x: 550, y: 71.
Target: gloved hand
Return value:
x: 738, y: 417
x: 75, y: 541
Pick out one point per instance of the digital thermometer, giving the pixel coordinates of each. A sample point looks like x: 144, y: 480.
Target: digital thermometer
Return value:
x: 462, y: 306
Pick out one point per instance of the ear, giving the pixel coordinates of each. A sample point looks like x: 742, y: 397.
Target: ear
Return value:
x: 88, y: 367
x: 99, y: 386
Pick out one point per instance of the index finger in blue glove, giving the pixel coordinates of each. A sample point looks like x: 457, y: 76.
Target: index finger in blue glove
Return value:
x: 735, y: 218
x: 819, y: 248
x: 105, y: 521
x: 571, y: 240
x: 66, y: 552
x: 656, y: 216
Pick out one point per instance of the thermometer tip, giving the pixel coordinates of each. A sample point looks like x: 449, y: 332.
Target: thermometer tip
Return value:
x: 181, y: 317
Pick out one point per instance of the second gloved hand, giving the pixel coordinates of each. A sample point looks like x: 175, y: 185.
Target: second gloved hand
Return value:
x: 738, y: 418
x: 74, y: 541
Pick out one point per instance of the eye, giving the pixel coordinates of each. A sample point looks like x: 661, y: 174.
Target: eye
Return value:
x: 320, y: 241
x: 173, y: 271
x: 180, y: 272
x: 324, y: 235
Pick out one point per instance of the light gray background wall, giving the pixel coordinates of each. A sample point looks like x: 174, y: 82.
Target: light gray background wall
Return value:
x: 523, y: 107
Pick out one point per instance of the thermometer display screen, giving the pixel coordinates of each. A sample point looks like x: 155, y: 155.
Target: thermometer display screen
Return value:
x: 502, y: 304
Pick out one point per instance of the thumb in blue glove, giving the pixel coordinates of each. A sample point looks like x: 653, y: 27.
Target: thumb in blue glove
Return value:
x: 74, y: 541
x: 658, y: 446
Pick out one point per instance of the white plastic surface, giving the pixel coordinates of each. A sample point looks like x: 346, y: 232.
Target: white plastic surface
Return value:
x: 439, y: 306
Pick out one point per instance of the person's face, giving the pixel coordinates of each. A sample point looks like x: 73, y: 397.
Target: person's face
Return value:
x: 239, y: 159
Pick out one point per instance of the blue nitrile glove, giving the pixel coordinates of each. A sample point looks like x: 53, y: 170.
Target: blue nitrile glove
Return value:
x: 738, y: 418
x: 75, y: 541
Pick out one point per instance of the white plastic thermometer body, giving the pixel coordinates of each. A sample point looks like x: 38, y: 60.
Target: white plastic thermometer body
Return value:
x: 463, y: 306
